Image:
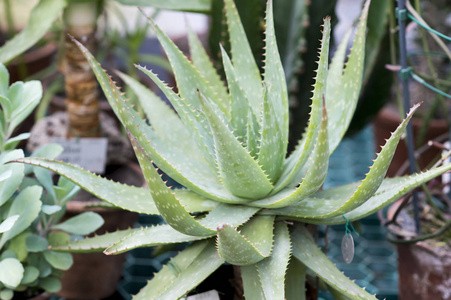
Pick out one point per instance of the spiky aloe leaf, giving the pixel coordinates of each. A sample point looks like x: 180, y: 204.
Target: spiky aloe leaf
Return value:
x: 239, y: 172
x: 272, y: 269
x: 252, y: 133
x: 306, y: 250
x: 235, y: 215
x: 124, y: 196
x: 341, y: 101
x: 294, y: 289
x: 341, y: 204
x: 314, y: 178
x: 253, y: 244
x: 277, y: 96
x: 96, y: 243
x: 168, y: 205
x: 252, y: 285
x: 187, y: 5
x: 148, y: 237
x: 296, y: 161
x: 192, y: 266
x: 244, y: 63
x: 239, y: 108
x: 202, y: 62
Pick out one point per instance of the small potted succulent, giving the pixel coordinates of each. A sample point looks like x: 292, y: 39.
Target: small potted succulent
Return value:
x: 31, y: 205
x: 244, y: 201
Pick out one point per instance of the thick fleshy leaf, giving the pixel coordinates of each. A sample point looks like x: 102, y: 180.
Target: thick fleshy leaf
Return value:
x: 243, y: 60
x: 149, y: 237
x: 23, y: 104
x: 168, y: 205
x: 295, y: 275
x: 28, y: 205
x: 96, y: 243
x: 7, y: 224
x: 252, y: 284
x: 189, y: 268
x: 60, y: 261
x: 36, y: 243
x: 314, y: 178
x: 41, y: 18
x: 202, y: 62
x: 30, y: 274
x: 306, y: 250
x: 82, y: 224
x: 253, y: 244
x: 296, y: 161
x: 240, y: 173
x: 186, y: 5
x: 11, y: 272
x: 277, y: 96
x: 342, y: 92
x: 4, y: 80
x: 272, y: 270
x: 50, y: 284
x: 233, y: 215
x: 127, y: 197
x: 13, y: 172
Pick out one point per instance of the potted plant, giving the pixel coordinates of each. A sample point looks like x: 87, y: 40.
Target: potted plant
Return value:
x: 245, y: 202
x: 31, y: 206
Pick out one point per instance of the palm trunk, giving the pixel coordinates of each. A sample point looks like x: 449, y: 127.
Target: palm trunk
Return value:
x: 80, y: 83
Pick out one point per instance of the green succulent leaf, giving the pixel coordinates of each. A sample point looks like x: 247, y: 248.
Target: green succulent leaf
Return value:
x: 202, y: 62
x: 58, y: 260
x: 294, y: 289
x: 36, y: 243
x: 253, y: 244
x: 11, y: 144
x: 168, y: 205
x: 306, y: 250
x: 240, y: 173
x: 11, y: 272
x: 7, y: 224
x: 97, y: 243
x: 194, y: 264
x: 342, y: 92
x: 187, y: 5
x: 17, y: 245
x: 82, y: 224
x: 272, y: 270
x: 41, y: 18
x: 127, y: 197
x: 30, y: 274
x: 244, y: 63
x: 296, y: 161
x: 28, y: 205
x: 50, y: 284
x: 12, y: 175
x: 252, y: 284
x: 4, y: 80
x: 235, y: 215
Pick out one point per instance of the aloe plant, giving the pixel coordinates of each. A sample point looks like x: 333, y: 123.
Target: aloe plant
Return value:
x: 245, y: 201
x: 31, y: 206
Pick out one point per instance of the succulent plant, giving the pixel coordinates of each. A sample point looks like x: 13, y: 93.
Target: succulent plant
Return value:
x: 31, y: 207
x: 245, y: 201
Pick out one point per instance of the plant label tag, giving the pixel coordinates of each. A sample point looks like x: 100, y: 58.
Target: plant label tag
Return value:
x: 88, y: 153
x: 347, y: 248
x: 210, y: 295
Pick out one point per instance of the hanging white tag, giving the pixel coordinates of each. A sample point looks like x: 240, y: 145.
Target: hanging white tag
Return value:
x: 347, y: 248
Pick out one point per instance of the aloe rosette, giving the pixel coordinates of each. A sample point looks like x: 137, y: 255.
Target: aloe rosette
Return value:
x: 245, y: 201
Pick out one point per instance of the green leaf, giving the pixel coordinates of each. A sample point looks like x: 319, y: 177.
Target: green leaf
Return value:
x: 58, y: 238
x: 41, y: 19
x: 243, y: 60
x: 274, y: 79
x: 82, y: 224
x: 203, y: 63
x: 169, y: 207
x: 240, y: 173
x: 97, y: 243
x: 15, y: 173
x: 7, y: 224
x: 233, y: 215
x: 6, y: 294
x: 194, y: 264
x: 36, y: 243
x: 127, y: 197
x: 24, y: 103
x: 186, y: 5
x: 49, y: 151
x: 17, y: 245
x: 148, y: 237
x: 60, y: 261
x: 4, y: 80
x: 253, y: 244
x: 306, y: 250
x: 296, y: 161
x: 12, y: 143
x: 50, y: 284
x: 51, y: 209
x: 295, y: 281
x: 8, y: 254
x: 272, y: 270
x: 252, y: 284
x: 30, y: 274
x: 11, y: 272
x: 28, y: 205
x: 344, y: 92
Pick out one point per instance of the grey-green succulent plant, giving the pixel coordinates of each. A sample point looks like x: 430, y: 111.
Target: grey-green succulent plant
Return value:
x: 244, y: 201
x: 31, y: 206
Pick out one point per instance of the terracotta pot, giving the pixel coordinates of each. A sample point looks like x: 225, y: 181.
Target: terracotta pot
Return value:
x: 424, y: 272
x: 96, y: 275
x: 388, y: 120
